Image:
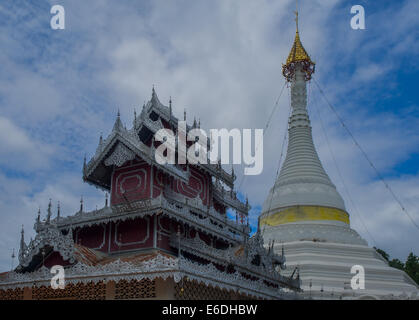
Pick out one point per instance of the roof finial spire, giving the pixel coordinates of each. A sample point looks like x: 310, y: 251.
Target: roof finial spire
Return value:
x: 134, y: 122
x: 49, y: 211
x: 38, y: 219
x: 22, y: 240
x: 81, y: 204
x: 58, y: 211
x: 170, y: 107
x: 13, y: 258
x: 84, y: 165
x: 118, y: 124
x: 154, y: 99
x: 296, y: 14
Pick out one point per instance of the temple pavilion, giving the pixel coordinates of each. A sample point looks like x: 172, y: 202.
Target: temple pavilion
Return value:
x: 165, y: 233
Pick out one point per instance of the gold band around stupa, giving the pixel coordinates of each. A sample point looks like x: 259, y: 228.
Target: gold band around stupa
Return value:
x: 304, y: 213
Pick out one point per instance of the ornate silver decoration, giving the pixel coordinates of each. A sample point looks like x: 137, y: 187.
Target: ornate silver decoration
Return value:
x: 207, y: 221
x: 158, y: 267
x: 119, y: 156
x: 48, y: 235
x: 254, y: 247
x: 209, y: 275
x: 229, y: 198
x: 131, y: 140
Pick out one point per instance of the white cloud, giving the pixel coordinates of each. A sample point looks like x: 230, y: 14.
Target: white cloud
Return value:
x: 18, y: 150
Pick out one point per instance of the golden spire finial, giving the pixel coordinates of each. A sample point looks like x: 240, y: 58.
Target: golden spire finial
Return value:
x: 297, y: 55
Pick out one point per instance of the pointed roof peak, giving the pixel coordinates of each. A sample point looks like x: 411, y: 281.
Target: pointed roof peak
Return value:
x: 153, y: 92
x: 118, y: 124
x: 154, y: 99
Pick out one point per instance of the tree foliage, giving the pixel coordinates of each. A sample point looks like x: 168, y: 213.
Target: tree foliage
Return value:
x: 411, y: 266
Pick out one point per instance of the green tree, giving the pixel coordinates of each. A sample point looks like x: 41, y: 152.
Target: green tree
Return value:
x: 384, y: 254
x: 412, y: 267
x: 396, y: 263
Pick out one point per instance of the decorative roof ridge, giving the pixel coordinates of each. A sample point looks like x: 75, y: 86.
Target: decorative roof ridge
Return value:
x: 138, y: 147
x: 160, y: 204
x: 229, y: 255
x: 48, y: 234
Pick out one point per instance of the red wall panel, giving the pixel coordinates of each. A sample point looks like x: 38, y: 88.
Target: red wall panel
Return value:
x: 131, y: 183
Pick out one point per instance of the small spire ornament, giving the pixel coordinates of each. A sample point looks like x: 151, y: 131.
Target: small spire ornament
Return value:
x: 13, y: 259
x: 49, y: 212
x: 38, y: 219
x: 81, y: 204
x: 84, y: 165
x: 22, y: 240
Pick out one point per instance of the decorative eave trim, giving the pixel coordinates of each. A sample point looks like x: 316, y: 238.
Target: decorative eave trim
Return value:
x: 224, y: 196
x: 170, y: 207
x: 210, y: 275
x: 158, y: 267
x: 139, y: 149
x: 48, y: 235
x: 227, y: 256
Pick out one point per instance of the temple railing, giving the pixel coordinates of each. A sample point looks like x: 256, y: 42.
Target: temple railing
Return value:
x: 196, y: 204
x: 209, y: 274
x: 191, y: 211
x: 230, y: 198
x: 243, y: 263
x: 158, y: 267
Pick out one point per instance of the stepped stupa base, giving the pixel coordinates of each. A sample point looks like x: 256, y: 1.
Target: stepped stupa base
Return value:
x: 327, y: 266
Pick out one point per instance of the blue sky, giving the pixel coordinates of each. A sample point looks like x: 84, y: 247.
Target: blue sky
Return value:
x: 59, y: 90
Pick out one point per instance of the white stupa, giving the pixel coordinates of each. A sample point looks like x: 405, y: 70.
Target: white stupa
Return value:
x: 305, y: 215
